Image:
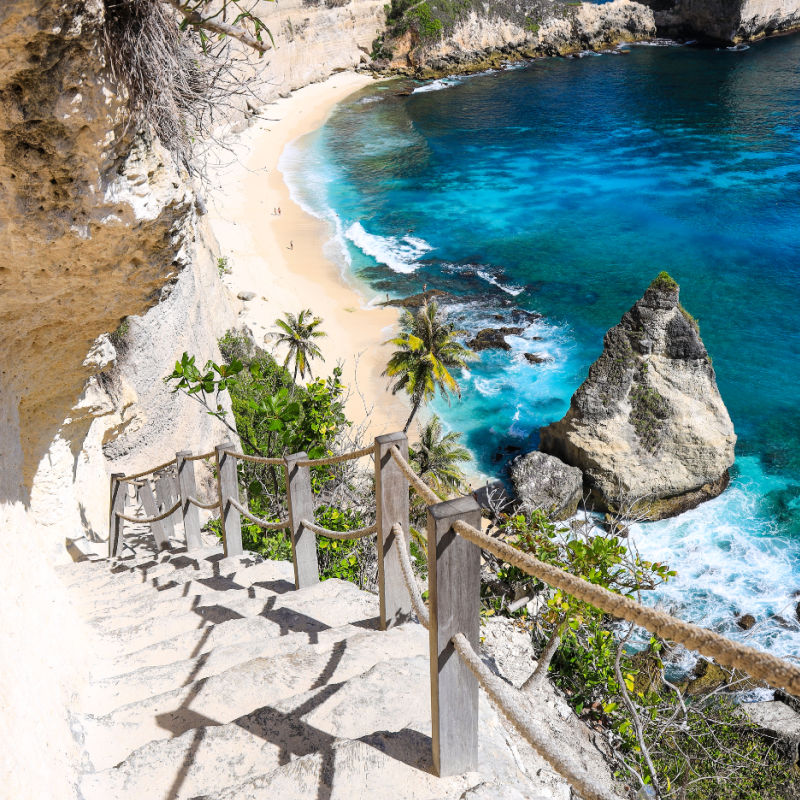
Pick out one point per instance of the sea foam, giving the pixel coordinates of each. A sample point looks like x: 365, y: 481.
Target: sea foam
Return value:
x: 399, y: 253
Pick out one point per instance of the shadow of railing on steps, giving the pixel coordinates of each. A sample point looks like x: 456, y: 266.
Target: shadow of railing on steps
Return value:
x: 455, y: 542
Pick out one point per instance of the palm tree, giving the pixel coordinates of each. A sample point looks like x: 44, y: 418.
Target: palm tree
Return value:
x: 428, y: 350
x: 298, y: 334
x: 437, y: 458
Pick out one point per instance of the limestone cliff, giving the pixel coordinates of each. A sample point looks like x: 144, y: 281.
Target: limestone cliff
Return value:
x: 486, y: 35
x: 102, y: 233
x: 648, y: 426
x: 725, y: 21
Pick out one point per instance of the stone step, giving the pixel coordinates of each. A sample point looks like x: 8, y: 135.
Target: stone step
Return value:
x: 123, y: 576
x: 273, y: 576
x: 338, y: 598
x: 391, y: 696
x: 277, y: 576
x: 224, y: 697
x: 106, y: 694
x: 394, y: 764
x: 79, y: 572
x: 167, y: 576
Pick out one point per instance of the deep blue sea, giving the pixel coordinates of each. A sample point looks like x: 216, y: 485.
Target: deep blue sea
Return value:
x: 563, y: 187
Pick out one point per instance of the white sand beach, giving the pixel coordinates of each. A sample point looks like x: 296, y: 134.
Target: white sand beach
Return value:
x: 256, y: 243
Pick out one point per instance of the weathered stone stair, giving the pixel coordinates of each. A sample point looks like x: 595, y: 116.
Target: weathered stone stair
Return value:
x: 214, y: 678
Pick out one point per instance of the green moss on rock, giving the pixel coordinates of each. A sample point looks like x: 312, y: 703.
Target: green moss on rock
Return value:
x: 664, y: 282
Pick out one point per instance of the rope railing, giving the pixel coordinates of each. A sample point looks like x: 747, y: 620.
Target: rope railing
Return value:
x: 200, y: 457
x: 149, y: 520
x: 772, y: 669
x: 322, y: 462
x: 503, y: 696
x: 208, y: 506
x: 417, y: 484
x: 357, y: 533
x: 268, y: 526
x: 417, y: 603
x: 254, y: 459
x: 152, y: 471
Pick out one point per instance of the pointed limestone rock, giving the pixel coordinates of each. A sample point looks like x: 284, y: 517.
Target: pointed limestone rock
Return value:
x: 648, y: 427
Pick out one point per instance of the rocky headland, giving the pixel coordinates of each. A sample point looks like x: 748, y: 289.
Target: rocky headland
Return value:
x: 724, y: 21
x: 429, y: 41
x: 433, y: 39
x: 648, y: 427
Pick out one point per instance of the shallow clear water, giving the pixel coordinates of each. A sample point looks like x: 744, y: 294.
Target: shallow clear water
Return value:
x: 564, y: 188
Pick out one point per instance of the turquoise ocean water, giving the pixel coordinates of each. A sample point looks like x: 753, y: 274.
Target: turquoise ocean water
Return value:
x: 563, y: 188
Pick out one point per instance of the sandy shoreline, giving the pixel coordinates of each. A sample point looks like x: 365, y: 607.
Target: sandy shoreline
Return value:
x: 256, y: 243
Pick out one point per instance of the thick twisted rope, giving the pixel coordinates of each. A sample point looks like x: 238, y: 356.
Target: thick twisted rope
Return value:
x: 417, y: 484
x: 148, y: 520
x: 199, y: 457
x: 321, y: 462
x: 358, y: 533
x: 269, y: 526
x: 130, y: 478
x: 254, y: 459
x: 775, y: 671
x: 208, y: 506
x: 408, y: 576
x: 504, y: 698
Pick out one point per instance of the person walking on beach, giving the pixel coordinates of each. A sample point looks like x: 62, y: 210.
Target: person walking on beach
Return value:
x: 291, y: 245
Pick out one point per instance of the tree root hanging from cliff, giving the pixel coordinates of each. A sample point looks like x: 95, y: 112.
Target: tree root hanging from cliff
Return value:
x: 180, y: 83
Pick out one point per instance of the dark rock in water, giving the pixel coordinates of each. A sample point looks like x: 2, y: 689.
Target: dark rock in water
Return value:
x: 782, y: 621
x: 746, y: 621
x: 615, y: 526
x: 648, y: 427
x: 542, y: 481
x: 493, y: 338
x: 536, y: 358
x: 416, y: 300
x: 706, y: 677
x: 493, y: 497
x: 519, y: 315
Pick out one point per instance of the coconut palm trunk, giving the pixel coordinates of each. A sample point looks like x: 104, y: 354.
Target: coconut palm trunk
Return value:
x: 414, y: 409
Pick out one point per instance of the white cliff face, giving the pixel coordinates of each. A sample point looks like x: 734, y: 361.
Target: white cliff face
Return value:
x: 726, y: 21
x: 648, y: 427
x: 549, y: 29
x: 99, y: 225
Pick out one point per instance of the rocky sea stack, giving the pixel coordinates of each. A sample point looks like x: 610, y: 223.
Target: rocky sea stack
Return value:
x: 648, y: 427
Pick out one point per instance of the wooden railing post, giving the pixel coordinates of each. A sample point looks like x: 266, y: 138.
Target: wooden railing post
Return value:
x: 301, y: 506
x: 119, y: 491
x: 144, y: 493
x: 454, y: 582
x: 228, y: 487
x: 187, y: 489
x: 392, y: 506
x: 166, y: 495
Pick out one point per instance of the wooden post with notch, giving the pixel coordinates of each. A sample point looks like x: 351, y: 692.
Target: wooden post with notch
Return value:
x: 392, y: 506
x: 228, y: 487
x: 165, y: 497
x: 454, y: 582
x: 119, y: 491
x: 189, y: 512
x: 148, y: 502
x: 301, y: 506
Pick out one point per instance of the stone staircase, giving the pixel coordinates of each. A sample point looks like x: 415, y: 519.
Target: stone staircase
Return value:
x: 214, y: 678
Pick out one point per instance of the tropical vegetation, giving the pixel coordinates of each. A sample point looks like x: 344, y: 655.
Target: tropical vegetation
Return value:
x: 427, y: 350
x: 297, y: 333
